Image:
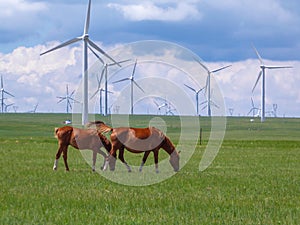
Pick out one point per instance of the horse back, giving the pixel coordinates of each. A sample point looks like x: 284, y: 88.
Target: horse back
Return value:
x: 141, y: 133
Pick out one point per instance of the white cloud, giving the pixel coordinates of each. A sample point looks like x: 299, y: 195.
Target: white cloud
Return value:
x: 34, y: 79
x: 151, y: 11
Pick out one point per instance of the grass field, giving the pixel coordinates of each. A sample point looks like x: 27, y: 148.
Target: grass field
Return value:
x: 255, y: 178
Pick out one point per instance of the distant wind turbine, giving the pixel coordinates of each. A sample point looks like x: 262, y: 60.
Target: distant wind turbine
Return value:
x: 197, y: 96
x: 132, y: 81
x: 105, y: 73
x: 254, y: 109
x: 207, y: 87
x: 68, y: 99
x: 100, y: 90
x: 3, y: 92
x: 263, y: 86
x: 160, y: 106
x: 86, y: 42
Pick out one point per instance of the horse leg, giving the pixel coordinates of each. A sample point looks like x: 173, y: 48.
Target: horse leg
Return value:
x: 155, y: 152
x: 144, y: 160
x: 65, y: 156
x: 121, y: 157
x: 99, y: 151
x: 94, y: 160
x: 57, y: 156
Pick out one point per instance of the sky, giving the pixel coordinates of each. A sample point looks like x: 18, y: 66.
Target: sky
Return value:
x: 219, y: 32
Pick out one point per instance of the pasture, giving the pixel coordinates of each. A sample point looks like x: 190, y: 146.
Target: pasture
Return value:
x: 255, y: 178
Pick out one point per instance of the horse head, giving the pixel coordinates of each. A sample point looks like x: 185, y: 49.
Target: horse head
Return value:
x: 174, y: 160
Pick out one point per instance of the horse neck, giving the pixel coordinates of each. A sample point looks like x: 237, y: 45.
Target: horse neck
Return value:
x: 106, y: 143
x: 168, y: 146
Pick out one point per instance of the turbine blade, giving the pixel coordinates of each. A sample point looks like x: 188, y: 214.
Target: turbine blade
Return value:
x: 72, y: 93
x: 222, y: 68
x: 119, y: 62
x: 101, y: 51
x: 97, y: 56
x: 206, y: 85
x: 203, y: 103
x: 201, y: 89
x: 190, y: 88
x: 74, y: 100
x: 61, y: 99
x: 250, y: 111
x: 201, y: 64
x: 1, y: 82
x: 133, y: 71
x: 138, y: 86
x: 258, y: 55
x: 87, y: 19
x: 214, y: 104
x: 259, y: 75
x: 252, y: 102
x: 8, y: 93
x: 62, y: 45
x: 278, y: 67
x: 94, y: 93
x: 101, y: 77
x: 120, y: 80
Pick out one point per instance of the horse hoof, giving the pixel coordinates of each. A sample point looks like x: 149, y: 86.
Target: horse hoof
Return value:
x: 54, y: 168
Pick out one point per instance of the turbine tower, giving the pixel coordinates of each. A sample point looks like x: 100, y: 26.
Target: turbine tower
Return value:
x: 3, y: 92
x: 132, y: 81
x: 262, y: 73
x: 197, y: 96
x: 207, y: 87
x: 68, y: 99
x: 86, y: 42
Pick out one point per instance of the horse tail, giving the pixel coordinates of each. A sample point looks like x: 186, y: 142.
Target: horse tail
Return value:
x: 101, y: 126
x: 55, y: 132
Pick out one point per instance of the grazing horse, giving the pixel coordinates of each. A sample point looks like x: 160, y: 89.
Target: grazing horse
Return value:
x: 138, y: 140
x: 80, y: 139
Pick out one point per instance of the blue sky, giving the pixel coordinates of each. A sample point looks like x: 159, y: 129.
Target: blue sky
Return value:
x: 219, y: 32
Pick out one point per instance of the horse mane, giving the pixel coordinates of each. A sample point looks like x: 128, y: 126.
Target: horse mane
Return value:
x: 106, y: 143
x: 100, y: 126
x: 169, y: 143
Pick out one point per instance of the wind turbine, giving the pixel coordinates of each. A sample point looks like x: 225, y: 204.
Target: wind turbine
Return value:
x: 262, y: 73
x: 197, y: 96
x: 253, y: 109
x: 3, y: 92
x: 68, y: 99
x: 86, y: 42
x: 100, y: 90
x: 132, y: 81
x: 104, y: 73
x: 207, y: 87
x: 160, y: 106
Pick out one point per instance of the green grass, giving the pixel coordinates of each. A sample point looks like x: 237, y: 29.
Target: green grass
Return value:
x: 255, y: 178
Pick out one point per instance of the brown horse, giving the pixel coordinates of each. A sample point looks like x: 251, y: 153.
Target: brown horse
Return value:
x: 80, y: 139
x: 138, y: 140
